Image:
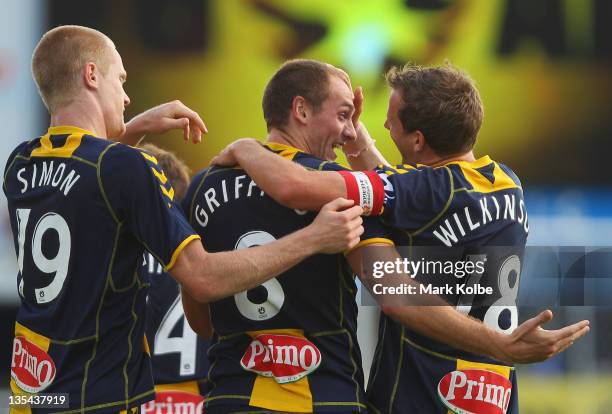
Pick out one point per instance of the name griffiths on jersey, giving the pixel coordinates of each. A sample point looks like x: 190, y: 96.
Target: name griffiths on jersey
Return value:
x: 47, y: 174
x: 429, y: 289
x: 228, y: 190
x: 491, y: 209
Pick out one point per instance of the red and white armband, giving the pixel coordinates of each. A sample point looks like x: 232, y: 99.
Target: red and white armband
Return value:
x: 366, y: 189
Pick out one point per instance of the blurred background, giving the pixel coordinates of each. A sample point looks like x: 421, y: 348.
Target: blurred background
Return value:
x: 543, y: 67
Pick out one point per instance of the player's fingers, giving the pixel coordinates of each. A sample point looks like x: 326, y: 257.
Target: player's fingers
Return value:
x: 186, y: 129
x: 572, y: 330
x: 533, y: 323
x: 358, y: 103
x: 196, y: 132
x: 353, y: 212
x: 183, y: 110
x: 565, y: 343
x: 356, y: 222
x: 356, y: 233
x: 338, y: 204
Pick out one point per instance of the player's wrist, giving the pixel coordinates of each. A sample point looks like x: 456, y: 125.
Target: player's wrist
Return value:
x: 244, y: 147
x: 363, y: 142
x: 499, y: 346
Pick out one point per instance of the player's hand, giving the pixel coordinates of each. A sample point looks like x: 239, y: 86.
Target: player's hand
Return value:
x: 338, y: 226
x: 227, y: 156
x: 358, y: 104
x: 363, y: 139
x: 531, y: 343
x: 163, y: 118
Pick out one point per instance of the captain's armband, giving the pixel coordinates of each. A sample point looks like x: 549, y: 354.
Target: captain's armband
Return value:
x: 366, y: 189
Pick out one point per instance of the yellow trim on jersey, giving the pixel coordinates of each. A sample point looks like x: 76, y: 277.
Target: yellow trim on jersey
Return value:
x: 46, y: 147
x: 40, y: 341
x: 19, y: 409
x: 68, y: 129
x: 367, y: 242
x: 295, y: 397
x: 147, y: 349
x: 499, y: 369
x: 479, y: 182
x: 286, y: 151
x: 190, y: 387
x: 148, y: 156
x: 179, y: 249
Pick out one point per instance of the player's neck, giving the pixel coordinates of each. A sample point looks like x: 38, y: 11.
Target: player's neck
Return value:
x: 77, y: 115
x: 283, y: 137
x: 436, y: 161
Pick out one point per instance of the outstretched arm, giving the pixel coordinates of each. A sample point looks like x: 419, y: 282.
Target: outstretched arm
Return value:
x: 294, y: 186
x: 208, y: 277
x: 431, y: 316
x: 163, y: 118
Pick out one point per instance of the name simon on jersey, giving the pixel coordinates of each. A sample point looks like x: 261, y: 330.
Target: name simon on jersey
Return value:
x: 47, y: 174
x: 229, y: 190
x: 461, y: 223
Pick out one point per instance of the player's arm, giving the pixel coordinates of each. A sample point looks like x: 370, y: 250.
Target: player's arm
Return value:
x: 431, y: 316
x: 163, y: 118
x: 208, y: 277
x: 294, y: 186
x: 198, y: 315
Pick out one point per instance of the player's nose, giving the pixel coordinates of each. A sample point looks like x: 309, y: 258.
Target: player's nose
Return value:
x: 349, y: 132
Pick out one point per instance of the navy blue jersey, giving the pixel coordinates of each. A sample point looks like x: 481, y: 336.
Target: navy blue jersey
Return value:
x: 462, y: 211
x: 290, y: 344
x: 82, y: 210
x: 178, y: 355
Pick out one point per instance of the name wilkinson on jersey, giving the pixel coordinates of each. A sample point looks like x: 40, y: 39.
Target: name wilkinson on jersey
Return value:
x: 459, y: 224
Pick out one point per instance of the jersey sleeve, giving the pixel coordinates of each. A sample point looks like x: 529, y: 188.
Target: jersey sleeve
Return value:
x: 374, y: 230
x: 414, y: 196
x: 139, y: 195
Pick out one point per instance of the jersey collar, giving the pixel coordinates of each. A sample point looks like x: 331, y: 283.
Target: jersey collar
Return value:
x: 479, y: 163
x: 68, y: 130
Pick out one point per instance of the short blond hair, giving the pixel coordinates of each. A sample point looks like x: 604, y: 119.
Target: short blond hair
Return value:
x: 175, y: 169
x: 60, y: 56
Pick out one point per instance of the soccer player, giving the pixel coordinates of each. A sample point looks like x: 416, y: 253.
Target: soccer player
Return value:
x: 289, y: 345
x: 443, y: 197
x: 178, y: 354
x: 83, y: 209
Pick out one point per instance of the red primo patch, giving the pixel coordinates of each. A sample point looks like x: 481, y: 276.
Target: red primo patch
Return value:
x: 171, y: 402
x: 286, y: 358
x: 475, y: 391
x: 32, y: 368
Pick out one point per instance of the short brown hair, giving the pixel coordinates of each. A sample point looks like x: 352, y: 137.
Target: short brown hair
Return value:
x: 299, y: 77
x: 442, y: 102
x: 175, y: 169
x: 59, y: 57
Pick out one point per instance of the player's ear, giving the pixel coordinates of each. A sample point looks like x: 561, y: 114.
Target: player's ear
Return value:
x: 91, y: 75
x: 300, y: 110
x: 418, y: 140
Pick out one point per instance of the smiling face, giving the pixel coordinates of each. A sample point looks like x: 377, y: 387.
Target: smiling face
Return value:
x: 331, y: 126
x: 113, y: 98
